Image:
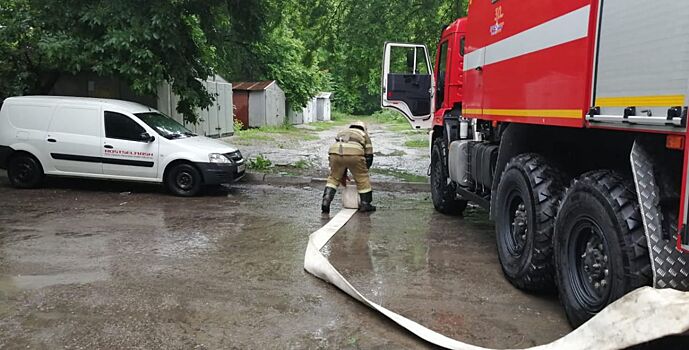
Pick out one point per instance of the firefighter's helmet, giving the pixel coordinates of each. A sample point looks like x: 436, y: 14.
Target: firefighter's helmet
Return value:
x: 358, y: 125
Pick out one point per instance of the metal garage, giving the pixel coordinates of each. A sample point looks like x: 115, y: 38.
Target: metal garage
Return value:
x: 259, y: 103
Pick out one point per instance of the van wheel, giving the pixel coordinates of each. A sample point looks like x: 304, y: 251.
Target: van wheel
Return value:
x: 527, y: 201
x: 600, y: 246
x: 184, y: 180
x: 443, y: 191
x: 25, y: 171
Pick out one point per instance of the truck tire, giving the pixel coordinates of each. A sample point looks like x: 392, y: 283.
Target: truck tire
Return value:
x: 25, y: 171
x: 527, y: 200
x: 600, y: 246
x: 442, y: 189
x: 184, y: 180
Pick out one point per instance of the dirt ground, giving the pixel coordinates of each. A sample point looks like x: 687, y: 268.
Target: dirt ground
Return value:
x: 294, y: 155
x: 88, y: 264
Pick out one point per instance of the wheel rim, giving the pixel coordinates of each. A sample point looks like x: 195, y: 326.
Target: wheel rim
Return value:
x: 518, y: 224
x: 23, y: 171
x: 589, y: 254
x: 184, y: 180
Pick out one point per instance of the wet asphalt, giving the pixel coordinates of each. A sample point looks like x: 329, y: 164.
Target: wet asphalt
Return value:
x: 90, y: 264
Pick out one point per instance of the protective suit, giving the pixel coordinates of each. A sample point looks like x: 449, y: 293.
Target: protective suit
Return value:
x: 352, y: 151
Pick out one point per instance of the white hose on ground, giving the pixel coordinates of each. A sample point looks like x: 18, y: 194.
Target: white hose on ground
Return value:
x: 641, y: 316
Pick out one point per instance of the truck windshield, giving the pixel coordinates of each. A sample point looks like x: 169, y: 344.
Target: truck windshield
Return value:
x: 165, y: 126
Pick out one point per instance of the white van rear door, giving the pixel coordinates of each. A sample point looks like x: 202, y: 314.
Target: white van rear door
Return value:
x: 73, y: 140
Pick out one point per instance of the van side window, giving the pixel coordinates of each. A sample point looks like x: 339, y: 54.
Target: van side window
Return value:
x: 119, y: 126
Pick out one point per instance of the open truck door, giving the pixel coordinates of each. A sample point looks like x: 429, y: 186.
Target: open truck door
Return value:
x: 407, y: 84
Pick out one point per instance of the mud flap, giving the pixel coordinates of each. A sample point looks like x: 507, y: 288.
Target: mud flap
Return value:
x: 670, y: 266
x: 640, y: 317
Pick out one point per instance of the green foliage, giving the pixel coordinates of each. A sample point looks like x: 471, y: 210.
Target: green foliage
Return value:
x: 267, y: 41
x: 238, y: 126
x: 306, y: 45
x: 353, y: 37
x: 143, y: 43
x: 260, y: 163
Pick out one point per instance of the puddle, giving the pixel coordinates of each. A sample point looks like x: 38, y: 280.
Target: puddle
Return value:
x: 15, y: 283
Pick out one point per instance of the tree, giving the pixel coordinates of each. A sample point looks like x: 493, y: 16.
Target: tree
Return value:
x: 357, y: 31
x: 144, y: 43
x: 267, y: 41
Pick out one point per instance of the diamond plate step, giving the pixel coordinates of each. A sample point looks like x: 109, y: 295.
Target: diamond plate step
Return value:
x: 670, y: 267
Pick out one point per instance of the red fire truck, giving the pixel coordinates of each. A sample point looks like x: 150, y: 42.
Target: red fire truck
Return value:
x: 568, y: 121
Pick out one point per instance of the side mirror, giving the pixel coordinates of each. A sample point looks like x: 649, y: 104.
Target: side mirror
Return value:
x: 146, y: 137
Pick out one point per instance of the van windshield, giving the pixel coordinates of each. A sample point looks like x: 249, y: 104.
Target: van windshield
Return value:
x: 165, y: 126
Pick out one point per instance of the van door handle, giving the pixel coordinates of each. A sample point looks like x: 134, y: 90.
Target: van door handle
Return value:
x: 108, y: 147
x: 51, y: 140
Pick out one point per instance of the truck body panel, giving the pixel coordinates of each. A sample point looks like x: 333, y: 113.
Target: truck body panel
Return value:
x: 635, y: 68
x: 528, y: 62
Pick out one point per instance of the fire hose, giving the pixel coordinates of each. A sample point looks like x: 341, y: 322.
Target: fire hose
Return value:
x: 642, y: 316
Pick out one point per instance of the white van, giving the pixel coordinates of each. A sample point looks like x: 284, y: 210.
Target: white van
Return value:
x: 108, y: 139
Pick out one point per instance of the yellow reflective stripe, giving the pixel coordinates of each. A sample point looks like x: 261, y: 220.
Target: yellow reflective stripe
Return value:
x: 350, y: 145
x: 641, y: 101
x: 536, y: 113
x: 345, y: 148
x: 527, y: 113
x: 473, y: 111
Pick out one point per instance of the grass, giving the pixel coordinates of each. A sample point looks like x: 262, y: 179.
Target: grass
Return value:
x: 260, y: 163
x: 391, y: 120
x: 302, y: 164
x: 417, y: 143
x: 403, y: 175
x: 268, y: 133
x: 252, y: 134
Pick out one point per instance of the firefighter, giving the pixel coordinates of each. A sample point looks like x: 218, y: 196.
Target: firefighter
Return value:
x: 352, y: 151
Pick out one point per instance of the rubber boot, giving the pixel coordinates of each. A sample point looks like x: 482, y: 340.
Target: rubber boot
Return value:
x: 366, y: 199
x: 328, y: 196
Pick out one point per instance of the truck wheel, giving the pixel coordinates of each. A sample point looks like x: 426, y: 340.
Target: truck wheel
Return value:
x: 442, y: 189
x: 184, y: 180
x: 527, y: 201
x: 600, y: 245
x: 25, y: 171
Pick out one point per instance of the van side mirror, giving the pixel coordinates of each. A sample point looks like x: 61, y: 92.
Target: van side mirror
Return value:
x: 146, y: 137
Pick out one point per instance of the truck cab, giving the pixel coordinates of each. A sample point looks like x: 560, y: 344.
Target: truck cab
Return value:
x: 449, y: 70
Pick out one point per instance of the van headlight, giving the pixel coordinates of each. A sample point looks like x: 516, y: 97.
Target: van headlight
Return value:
x: 218, y: 158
